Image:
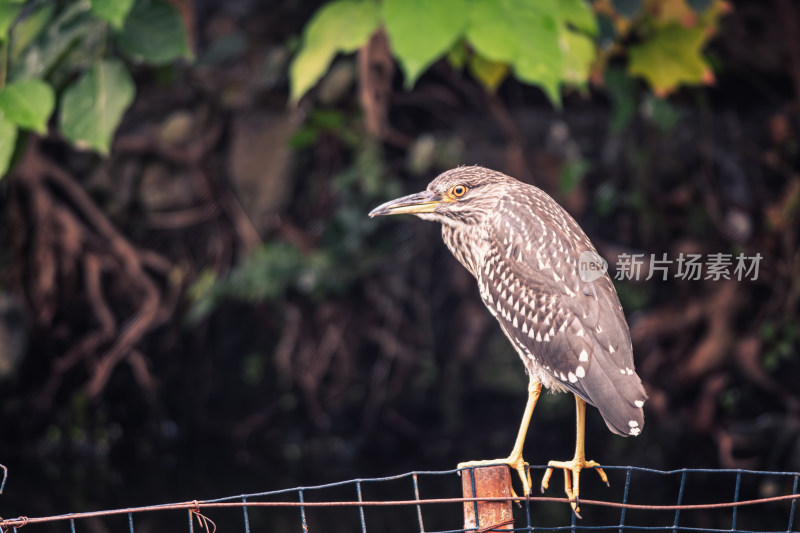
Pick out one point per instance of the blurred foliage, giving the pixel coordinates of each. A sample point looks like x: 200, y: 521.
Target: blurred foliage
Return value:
x: 548, y: 44
x: 324, y: 345
x: 67, y: 51
x: 340, y: 256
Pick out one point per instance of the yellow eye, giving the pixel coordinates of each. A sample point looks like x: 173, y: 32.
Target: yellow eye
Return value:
x: 459, y: 191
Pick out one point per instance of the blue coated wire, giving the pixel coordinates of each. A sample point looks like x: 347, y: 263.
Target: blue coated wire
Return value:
x: 625, y: 499
x: 361, y: 509
x: 246, y: 516
x: 303, y: 521
x: 735, y: 512
x: 794, y: 504
x: 680, y: 499
x: 419, y: 508
x: 528, y: 507
x: 449, y: 472
x: 474, y: 494
x: 575, y: 525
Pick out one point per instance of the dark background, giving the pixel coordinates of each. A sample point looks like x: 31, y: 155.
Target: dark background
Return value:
x: 334, y: 346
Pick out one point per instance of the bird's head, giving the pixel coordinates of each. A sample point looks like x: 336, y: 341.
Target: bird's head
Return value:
x: 461, y: 196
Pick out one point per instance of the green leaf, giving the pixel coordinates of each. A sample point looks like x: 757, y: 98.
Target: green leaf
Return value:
x: 421, y: 31
x: 489, y: 73
x: 51, y: 38
x: 621, y: 88
x: 579, y: 15
x: 154, y: 33
x: 28, y: 104
x: 27, y: 28
x: 523, y: 34
x: 113, y: 11
x: 669, y: 58
x: 661, y: 113
x: 627, y: 8
x: 458, y: 54
x: 92, y: 107
x: 9, y: 10
x: 579, y: 54
x: 8, y: 138
x: 340, y: 26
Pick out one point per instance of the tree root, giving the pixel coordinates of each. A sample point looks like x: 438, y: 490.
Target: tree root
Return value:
x: 74, y: 260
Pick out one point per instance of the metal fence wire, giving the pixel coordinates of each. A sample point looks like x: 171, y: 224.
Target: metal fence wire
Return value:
x: 640, y: 499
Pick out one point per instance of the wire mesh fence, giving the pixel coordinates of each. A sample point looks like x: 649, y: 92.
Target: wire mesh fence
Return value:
x: 639, y: 499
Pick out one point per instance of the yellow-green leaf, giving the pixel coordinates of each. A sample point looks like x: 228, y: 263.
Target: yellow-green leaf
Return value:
x: 670, y: 57
x: 579, y: 53
x: 489, y: 73
x: 578, y: 14
x: 8, y: 137
x: 340, y: 26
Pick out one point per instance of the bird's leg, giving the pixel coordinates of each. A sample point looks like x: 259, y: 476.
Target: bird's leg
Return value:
x: 579, y: 462
x: 515, y: 460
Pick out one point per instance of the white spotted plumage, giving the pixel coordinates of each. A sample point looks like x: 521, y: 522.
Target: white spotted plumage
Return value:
x: 522, y: 247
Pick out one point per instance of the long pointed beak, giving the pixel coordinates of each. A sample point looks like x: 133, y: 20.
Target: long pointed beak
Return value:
x: 421, y: 202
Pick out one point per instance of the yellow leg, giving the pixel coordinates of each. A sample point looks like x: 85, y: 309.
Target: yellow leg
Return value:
x: 515, y: 460
x: 579, y: 462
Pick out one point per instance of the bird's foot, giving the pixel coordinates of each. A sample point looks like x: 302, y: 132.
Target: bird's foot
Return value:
x: 514, y: 461
x: 572, y: 483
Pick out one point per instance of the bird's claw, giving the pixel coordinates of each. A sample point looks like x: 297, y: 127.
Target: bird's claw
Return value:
x: 572, y: 483
x: 517, y: 463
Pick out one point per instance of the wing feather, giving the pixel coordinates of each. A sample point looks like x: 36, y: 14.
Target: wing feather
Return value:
x: 571, y: 333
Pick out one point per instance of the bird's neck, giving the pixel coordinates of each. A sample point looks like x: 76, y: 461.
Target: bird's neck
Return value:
x: 464, y: 245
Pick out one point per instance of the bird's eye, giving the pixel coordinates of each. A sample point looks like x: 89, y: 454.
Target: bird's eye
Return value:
x: 459, y: 191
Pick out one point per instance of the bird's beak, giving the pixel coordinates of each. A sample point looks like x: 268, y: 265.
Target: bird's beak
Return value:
x: 421, y: 202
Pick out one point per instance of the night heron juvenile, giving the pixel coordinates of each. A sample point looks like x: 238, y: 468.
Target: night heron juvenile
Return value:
x: 533, y: 266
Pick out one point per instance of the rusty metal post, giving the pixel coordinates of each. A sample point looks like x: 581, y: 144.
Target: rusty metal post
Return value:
x: 487, y: 482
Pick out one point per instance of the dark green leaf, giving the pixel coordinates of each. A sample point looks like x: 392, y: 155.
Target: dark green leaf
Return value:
x: 92, y: 107
x: 28, y: 104
x: 700, y: 5
x: 28, y: 28
x: 663, y: 115
x: 627, y: 8
x: 112, y: 11
x: 421, y: 31
x: 53, y: 38
x: 607, y: 32
x: 572, y: 173
x: 622, y: 90
x: 154, y: 33
x: 340, y: 26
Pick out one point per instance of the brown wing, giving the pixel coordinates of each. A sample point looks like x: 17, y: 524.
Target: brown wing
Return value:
x: 573, y: 330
